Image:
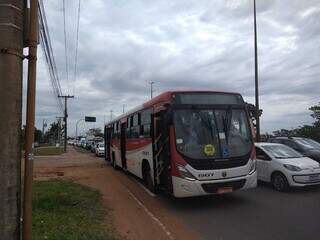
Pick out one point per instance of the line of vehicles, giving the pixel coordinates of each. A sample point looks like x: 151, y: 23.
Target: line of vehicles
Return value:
x: 192, y: 143
x: 95, y: 145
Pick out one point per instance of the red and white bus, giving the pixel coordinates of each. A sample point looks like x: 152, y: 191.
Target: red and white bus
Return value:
x: 188, y: 143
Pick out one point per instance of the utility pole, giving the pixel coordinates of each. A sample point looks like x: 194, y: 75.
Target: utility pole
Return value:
x: 44, y: 124
x: 66, y: 97
x: 11, y: 56
x: 59, y: 129
x: 30, y: 116
x: 151, y: 88
x: 123, y: 108
x: 257, y: 117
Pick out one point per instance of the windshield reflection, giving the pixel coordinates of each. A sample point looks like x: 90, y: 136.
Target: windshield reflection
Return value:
x: 212, y: 133
x: 282, y: 151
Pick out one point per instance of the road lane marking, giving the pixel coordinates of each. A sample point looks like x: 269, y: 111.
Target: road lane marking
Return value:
x: 163, y: 227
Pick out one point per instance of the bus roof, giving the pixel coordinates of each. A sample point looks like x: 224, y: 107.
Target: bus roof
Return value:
x: 162, y: 98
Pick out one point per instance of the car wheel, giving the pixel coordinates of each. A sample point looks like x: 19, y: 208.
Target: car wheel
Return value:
x: 280, y: 182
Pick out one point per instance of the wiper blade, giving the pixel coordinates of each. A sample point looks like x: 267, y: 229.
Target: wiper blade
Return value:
x: 227, y: 123
x: 206, y: 122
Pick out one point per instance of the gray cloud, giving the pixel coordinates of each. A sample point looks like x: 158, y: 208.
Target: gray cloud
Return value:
x: 185, y: 44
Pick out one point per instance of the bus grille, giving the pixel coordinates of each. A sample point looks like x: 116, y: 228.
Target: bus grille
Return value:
x: 213, y: 187
x: 209, y: 164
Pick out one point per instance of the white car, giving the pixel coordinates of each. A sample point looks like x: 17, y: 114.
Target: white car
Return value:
x: 284, y: 167
x: 100, y: 149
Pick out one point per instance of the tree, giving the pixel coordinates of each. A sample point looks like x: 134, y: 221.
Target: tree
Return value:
x: 97, y: 132
x: 316, y: 114
x: 52, y: 135
x: 37, y: 135
x: 307, y: 131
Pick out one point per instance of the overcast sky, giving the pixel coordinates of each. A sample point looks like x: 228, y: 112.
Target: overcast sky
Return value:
x: 197, y: 44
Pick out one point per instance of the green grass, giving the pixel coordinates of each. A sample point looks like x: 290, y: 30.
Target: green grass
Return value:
x: 47, y: 151
x: 69, y: 211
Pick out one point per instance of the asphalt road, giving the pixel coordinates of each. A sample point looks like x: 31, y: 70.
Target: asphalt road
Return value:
x: 257, y: 214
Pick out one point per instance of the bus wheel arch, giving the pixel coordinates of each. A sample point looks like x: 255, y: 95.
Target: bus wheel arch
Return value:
x: 146, y: 175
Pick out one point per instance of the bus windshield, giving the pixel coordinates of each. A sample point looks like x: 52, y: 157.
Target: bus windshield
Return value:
x: 220, y: 133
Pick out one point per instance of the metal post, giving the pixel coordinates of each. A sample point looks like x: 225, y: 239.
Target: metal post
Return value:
x: 31, y: 96
x: 11, y: 55
x: 257, y: 117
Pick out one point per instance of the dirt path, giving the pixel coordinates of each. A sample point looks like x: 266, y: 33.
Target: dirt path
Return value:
x: 137, y: 215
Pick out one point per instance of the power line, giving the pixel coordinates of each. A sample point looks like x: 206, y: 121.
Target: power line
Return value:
x: 45, y: 42
x: 65, y: 43
x: 77, y: 44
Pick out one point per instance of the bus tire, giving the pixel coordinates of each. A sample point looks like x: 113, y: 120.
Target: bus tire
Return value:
x: 113, y: 162
x: 147, y: 178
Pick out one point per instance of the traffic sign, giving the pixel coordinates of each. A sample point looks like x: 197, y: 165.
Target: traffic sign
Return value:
x: 90, y: 119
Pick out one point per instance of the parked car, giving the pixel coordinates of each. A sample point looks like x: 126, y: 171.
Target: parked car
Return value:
x: 89, y: 145
x: 305, y: 146
x: 94, y: 146
x: 284, y: 167
x: 100, y: 150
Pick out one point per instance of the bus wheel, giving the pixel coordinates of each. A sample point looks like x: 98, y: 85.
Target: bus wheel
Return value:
x: 147, y: 178
x: 280, y: 182
x: 113, y: 162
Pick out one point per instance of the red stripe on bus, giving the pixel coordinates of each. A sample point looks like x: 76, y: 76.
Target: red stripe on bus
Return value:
x: 136, y: 143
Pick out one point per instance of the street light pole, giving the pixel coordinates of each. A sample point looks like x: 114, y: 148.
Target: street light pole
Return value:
x: 257, y: 117
x: 77, y: 127
x: 151, y: 88
x: 111, y: 111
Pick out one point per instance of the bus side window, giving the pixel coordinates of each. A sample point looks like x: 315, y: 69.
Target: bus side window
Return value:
x: 145, y: 123
x: 135, y: 127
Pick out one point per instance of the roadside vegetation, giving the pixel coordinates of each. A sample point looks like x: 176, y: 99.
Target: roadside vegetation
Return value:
x: 47, y: 151
x: 69, y: 211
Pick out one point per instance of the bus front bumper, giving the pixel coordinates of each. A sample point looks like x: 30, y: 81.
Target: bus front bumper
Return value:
x: 186, y: 188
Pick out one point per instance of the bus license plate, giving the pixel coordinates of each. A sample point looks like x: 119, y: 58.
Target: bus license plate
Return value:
x: 225, y: 190
x: 314, y: 177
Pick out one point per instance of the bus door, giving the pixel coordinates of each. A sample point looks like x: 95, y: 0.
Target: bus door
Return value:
x: 123, y: 145
x: 161, y: 150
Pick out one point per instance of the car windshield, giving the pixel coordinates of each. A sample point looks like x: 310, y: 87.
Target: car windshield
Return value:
x: 282, y: 151
x: 307, y: 143
x: 101, y: 145
x: 202, y: 134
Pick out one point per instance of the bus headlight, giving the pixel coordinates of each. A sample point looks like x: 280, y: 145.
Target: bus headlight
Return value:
x: 184, y: 173
x: 253, y: 167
